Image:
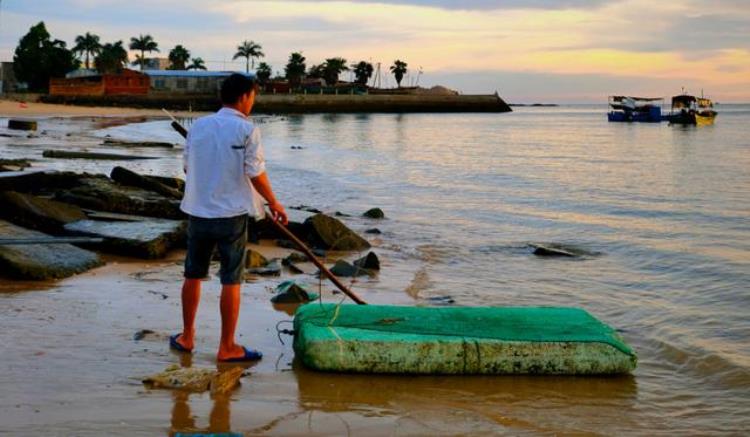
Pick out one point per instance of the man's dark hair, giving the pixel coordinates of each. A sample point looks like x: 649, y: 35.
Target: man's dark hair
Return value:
x: 235, y: 86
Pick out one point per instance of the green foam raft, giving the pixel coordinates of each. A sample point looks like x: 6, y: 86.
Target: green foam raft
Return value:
x: 458, y: 340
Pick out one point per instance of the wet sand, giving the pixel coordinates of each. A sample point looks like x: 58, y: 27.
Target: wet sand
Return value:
x: 71, y: 366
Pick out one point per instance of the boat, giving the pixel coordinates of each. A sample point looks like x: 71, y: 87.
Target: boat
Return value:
x: 638, y: 109
x: 691, y: 110
x: 458, y: 340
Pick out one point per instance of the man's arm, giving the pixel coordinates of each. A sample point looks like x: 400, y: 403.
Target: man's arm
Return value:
x: 263, y: 186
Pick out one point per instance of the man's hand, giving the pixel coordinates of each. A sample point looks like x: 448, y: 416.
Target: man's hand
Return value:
x: 278, y: 213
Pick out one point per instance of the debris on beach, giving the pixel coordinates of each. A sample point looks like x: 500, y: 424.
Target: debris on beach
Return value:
x: 18, y: 124
x: 145, y: 239
x: 66, y: 154
x: 120, y: 143
x: 14, y: 164
x: 196, y: 379
x: 293, y: 292
x: 142, y: 333
x: 124, y: 176
x: 374, y: 213
x: 37, y: 212
x: 560, y: 250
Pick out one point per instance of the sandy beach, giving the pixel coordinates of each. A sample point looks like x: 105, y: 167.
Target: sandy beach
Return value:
x: 18, y: 108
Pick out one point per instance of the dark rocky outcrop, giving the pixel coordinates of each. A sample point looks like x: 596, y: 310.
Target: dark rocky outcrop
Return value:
x: 374, y: 213
x: 292, y: 292
x: 103, y: 194
x: 254, y: 259
x: 146, y: 239
x: 38, y: 213
x: 331, y: 234
x: 176, y: 183
x: 346, y: 270
x: 369, y: 262
x: 374, y: 231
x: 41, y: 261
x: 127, y: 177
x: 42, y: 181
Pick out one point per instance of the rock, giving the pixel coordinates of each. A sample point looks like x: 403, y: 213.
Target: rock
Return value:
x: 374, y: 213
x: 341, y: 214
x: 41, y: 261
x: 254, y: 259
x: 441, y: 300
x: 14, y: 164
x: 306, y: 208
x: 369, y: 262
x: 38, y: 213
x: 292, y: 292
x: 345, y: 270
x: 273, y: 268
x: 42, y: 181
x: 195, y: 379
x: 373, y: 231
x: 18, y: 124
x: 296, y: 257
x: 286, y: 244
x: 329, y: 233
x: 111, y: 142
x: 141, y: 334
x: 66, y: 154
x: 147, y: 239
x: 102, y: 194
x: 126, y: 177
x: 560, y: 250
x: 176, y: 183
x: 290, y: 265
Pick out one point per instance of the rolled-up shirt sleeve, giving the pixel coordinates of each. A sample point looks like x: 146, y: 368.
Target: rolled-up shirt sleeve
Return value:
x: 255, y: 161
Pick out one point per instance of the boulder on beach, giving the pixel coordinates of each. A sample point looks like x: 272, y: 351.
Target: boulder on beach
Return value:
x: 293, y: 292
x: 103, y: 194
x: 145, y: 239
x: 328, y: 233
x: 374, y: 213
x: 346, y: 270
x: 124, y: 176
x: 41, y: 261
x: 38, y: 213
x: 254, y: 259
x: 369, y: 262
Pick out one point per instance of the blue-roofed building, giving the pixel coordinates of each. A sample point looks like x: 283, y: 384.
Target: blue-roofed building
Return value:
x: 198, y: 82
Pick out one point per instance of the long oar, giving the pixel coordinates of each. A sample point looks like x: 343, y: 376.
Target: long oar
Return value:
x: 281, y: 228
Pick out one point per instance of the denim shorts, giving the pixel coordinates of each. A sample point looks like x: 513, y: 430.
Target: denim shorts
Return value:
x: 204, y: 235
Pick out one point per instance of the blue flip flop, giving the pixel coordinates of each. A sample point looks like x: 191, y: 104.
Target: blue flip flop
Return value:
x: 250, y: 355
x: 173, y: 344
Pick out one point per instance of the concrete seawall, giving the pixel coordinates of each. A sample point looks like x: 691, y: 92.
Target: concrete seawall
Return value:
x: 303, y: 103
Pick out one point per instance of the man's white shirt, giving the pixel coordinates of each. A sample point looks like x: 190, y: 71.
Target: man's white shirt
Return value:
x: 223, y: 151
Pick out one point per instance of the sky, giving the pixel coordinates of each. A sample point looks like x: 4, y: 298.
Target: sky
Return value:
x: 528, y: 51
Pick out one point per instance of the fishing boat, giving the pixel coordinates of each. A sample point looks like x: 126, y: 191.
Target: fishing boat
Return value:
x: 638, y: 109
x: 691, y: 110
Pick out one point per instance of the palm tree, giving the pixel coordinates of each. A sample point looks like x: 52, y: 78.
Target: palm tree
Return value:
x: 295, y: 68
x: 87, y: 45
x: 316, y: 71
x: 263, y: 73
x: 144, y: 43
x: 197, y: 64
x: 399, y: 70
x: 178, y: 57
x: 363, y: 72
x: 112, y: 58
x: 248, y: 50
x: 332, y: 68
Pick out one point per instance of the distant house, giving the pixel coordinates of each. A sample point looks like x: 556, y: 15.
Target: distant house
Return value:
x: 187, y: 81
x: 128, y: 82
x: 156, y: 64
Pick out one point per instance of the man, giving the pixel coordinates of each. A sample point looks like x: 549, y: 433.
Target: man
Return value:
x: 223, y: 163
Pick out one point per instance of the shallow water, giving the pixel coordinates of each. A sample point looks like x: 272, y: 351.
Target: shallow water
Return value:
x: 663, y: 209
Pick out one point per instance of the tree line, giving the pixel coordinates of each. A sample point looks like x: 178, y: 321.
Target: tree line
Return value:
x: 38, y: 57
